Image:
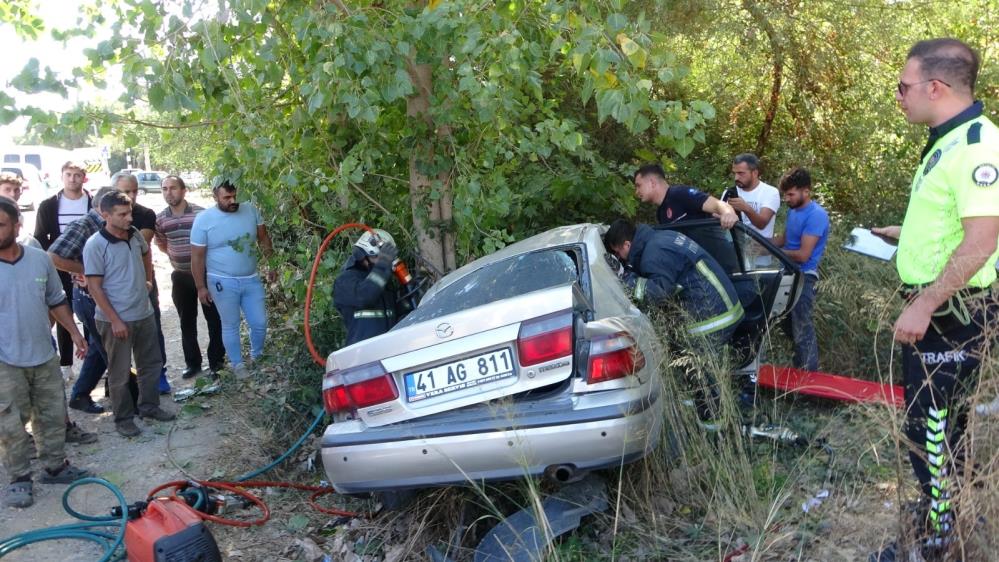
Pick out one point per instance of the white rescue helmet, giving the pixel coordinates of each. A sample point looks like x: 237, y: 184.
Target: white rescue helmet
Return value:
x: 370, y: 243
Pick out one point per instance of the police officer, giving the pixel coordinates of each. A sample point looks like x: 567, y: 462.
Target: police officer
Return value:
x: 946, y: 260
x: 363, y: 293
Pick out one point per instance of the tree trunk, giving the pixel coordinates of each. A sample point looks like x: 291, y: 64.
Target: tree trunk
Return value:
x: 777, y: 50
x: 432, y: 219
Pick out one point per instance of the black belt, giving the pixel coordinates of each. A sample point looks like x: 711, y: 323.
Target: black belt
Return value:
x: 954, y: 312
x: 910, y: 292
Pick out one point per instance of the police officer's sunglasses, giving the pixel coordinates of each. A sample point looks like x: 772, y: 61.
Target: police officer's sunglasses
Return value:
x: 903, y: 88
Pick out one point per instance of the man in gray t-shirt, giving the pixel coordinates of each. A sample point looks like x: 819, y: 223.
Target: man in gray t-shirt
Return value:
x: 30, y: 382
x: 119, y: 270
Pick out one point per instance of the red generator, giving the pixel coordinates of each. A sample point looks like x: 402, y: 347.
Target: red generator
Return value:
x: 170, y: 531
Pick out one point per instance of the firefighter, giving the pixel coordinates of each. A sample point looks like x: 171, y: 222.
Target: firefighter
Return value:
x: 364, y: 292
x: 668, y: 266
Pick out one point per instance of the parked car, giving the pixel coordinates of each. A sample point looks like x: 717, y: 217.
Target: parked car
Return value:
x: 34, y: 189
x: 192, y: 180
x: 529, y: 361
x: 149, y: 182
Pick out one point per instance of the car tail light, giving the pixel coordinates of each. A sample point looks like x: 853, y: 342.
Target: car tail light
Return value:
x: 613, y: 357
x: 358, y: 388
x: 544, y: 339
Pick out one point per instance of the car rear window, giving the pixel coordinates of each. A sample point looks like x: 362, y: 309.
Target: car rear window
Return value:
x: 511, y: 277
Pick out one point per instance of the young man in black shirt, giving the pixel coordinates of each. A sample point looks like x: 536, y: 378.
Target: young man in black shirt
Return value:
x: 679, y: 202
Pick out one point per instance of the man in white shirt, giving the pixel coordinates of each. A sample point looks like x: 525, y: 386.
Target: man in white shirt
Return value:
x: 54, y: 214
x: 758, y: 201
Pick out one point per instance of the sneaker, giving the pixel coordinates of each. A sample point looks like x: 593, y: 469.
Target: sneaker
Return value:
x: 241, y: 372
x: 85, y: 404
x: 18, y: 494
x: 67, y: 372
x: 158, y: 414
x: 74, y: 434
x: 66, y: 474
x: 164, y: 383
x: 127, y: 428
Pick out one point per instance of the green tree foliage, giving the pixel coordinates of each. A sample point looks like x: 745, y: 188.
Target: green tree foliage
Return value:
x: 463, y: 125
x: 836, y: 65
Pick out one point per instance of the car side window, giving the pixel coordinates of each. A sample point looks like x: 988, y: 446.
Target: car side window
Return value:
x: 753, y: 255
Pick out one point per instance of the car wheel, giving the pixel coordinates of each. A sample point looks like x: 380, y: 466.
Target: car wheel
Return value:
x: 142, y: 191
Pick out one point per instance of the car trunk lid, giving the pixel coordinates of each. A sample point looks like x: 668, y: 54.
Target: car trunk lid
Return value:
x: 471, y: 356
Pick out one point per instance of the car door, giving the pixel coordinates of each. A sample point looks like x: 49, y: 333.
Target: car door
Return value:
x: 767, y: 281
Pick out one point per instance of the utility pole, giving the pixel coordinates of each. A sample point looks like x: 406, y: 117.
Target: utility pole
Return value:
x: 145, y: 150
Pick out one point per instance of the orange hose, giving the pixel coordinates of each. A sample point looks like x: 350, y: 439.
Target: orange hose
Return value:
x: 239, y: 488
x: 319, y: 359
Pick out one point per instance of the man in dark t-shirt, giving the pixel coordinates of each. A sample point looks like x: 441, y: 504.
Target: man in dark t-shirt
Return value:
x: 679, y: 202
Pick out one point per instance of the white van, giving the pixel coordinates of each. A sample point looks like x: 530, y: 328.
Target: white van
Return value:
x: 47, y: 159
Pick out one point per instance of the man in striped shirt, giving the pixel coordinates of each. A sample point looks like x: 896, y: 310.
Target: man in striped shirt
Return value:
x: 173, y: 237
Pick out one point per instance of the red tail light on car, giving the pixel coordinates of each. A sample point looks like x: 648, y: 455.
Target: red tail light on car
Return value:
x: 613, y: 357
x: 544, y: 339
x: 358, y: 388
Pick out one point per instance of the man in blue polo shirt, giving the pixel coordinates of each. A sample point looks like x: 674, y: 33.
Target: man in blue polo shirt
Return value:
x: 804, y: 241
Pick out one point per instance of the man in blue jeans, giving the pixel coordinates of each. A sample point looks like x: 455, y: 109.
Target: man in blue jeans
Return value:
x: 224, y: 242
x: 804, y: 241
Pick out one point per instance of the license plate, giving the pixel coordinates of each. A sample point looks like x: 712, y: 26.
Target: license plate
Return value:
x: 459, y: 375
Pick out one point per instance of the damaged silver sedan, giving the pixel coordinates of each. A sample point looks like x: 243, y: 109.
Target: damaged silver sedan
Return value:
x: 529, y: 361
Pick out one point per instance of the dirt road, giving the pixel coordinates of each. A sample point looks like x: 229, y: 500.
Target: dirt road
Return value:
x: 135, y: 465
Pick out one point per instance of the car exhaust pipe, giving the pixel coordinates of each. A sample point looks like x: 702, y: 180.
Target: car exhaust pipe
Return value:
x: 563, y: 473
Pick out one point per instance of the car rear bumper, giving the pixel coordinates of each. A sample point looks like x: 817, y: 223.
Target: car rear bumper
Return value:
x: 359, y: 459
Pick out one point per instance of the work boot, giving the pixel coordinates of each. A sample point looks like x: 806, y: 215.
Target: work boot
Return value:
x: 85, y: 404
x: 75, y: 434
x: 127, y: 428
x: 158, y: 414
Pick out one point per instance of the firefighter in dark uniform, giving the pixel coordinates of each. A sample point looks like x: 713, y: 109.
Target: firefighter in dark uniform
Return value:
x: 946, y: 261
x: 671, y: 267
x: 364, y: 292
x: 667, y: 267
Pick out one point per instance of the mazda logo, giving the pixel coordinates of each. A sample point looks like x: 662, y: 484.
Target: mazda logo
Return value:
x: 444, y: 330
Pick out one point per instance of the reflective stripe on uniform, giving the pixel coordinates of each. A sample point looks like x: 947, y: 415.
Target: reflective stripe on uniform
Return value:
x: 640, y: 288
x: 719, y: 322
x: 732, y: 315
x: 705, y: 270
x: 377, y: 279
x: 374, y: 314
